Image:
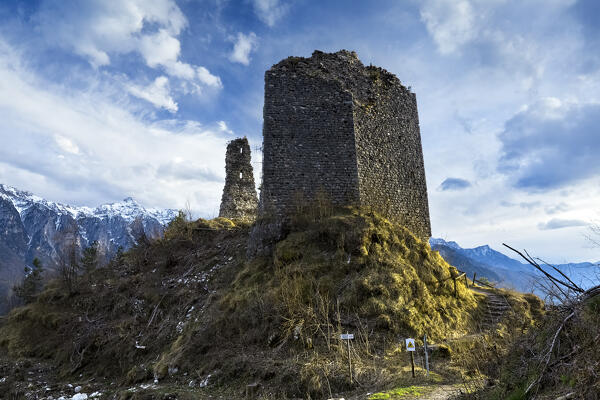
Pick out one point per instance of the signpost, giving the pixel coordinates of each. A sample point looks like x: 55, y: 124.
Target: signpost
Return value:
x: 410, y: 347
x: 426, y: 354
x: 348, y: 337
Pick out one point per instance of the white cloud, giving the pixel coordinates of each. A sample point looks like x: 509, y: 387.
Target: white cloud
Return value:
x: 269, y: 11
x: 160, y: 49
x: 452, y: 23
x: 556, y: 223
x: 99, y: 30
x: 120, y: 152
x: 66, y: 144
x: 207, y: 78
x: 224, y: 128
x: 497, y: 32
x: 242, y: 48
x: 156, y: 93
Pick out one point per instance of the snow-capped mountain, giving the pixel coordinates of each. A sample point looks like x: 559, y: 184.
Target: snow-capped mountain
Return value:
x: 128, y: 209
x: 487, y: 255
x: 31, y: 226
x: 442, y: 242
x: 508, y: 272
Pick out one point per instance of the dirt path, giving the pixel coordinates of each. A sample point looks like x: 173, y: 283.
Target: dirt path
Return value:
x: 442, y: 392
x: 425, y: 392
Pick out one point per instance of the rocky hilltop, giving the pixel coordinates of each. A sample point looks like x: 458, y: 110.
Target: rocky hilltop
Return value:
x: 32, y: 227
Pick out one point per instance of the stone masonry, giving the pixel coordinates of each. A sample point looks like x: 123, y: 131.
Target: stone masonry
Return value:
x: 239, y: 199
x: 333, y: 125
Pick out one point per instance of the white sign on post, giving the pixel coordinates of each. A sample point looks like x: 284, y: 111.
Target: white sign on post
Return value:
x: 410, y: 345
x: 347, y: 337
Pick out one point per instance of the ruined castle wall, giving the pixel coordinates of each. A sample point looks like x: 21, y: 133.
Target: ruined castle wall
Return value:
x: 389, y: 156
x: 333, y: 125
x: 239, y: 200
x: 308, y: 146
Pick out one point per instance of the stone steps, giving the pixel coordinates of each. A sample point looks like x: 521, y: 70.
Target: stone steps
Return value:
x: 497, y: 307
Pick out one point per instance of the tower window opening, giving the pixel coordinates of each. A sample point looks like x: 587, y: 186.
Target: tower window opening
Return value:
x: 241, y: 150
x: 240, y: 175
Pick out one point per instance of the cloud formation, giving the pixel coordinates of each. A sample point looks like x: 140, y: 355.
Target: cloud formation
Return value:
x: 66, y: 144
x: 100, y: 30
x: 454, y: 184
x: 551, y: 144
x: 243, y: 46
x: 90, y: 147
x: 269, y: 11
x: 556, y: 223
x: 189, y: 170
x: 557, y: 208
x: 450, y: 23
x: 157, y: 93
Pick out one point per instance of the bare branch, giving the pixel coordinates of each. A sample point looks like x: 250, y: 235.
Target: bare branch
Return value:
x: 560, y: 272
x: 549, y: 354
x: 547, y: 275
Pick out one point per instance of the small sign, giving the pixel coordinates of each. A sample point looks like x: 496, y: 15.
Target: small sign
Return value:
x: 347, y: 336
x: 410, y: 344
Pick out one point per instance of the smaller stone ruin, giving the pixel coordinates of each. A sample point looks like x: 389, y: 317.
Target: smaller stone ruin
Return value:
x: 239, y: 199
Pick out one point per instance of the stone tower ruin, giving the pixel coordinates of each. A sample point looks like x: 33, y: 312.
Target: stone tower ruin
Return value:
x: 239, y: 199
x: 333, y: 125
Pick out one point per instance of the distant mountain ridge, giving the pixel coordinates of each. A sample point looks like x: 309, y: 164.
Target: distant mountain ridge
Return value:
x: 33, y: 227
x: 505, y: 271
x: 128, y: 209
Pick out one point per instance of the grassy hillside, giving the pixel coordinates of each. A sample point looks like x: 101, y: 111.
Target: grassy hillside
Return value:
x: 189, y: 309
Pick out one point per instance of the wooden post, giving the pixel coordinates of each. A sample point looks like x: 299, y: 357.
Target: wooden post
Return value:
x: 412, y: 362
x: 466, y: 280
x: 426, y: 355
x: 455, y: 291
x: 349, y: 361
x: 252, y: 391
x: 474, y: 275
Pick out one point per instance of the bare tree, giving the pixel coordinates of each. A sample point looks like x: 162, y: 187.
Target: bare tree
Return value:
x: 68, y: 265
x: 571, y: 300
x: 68, y: 268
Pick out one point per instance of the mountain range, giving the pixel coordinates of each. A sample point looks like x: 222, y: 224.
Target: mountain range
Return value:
x: 32, y: 227
x: 508, y: 272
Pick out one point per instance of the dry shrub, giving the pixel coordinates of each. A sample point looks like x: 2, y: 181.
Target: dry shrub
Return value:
x: 554, y: 353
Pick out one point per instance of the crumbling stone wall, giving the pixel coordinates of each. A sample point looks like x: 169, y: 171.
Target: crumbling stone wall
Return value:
x: 308, y: 141
x: 239, y: 199
x: 333, y: 125
x: 391, y: 170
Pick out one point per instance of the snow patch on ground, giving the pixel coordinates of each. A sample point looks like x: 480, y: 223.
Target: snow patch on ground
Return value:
x: 204, y: 382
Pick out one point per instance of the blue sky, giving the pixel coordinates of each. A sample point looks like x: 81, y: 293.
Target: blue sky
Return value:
x: 103, y: 100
